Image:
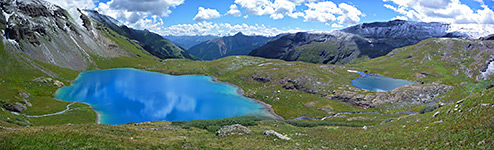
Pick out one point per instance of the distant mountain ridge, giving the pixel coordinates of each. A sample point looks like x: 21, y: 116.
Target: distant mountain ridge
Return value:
x: 239, y: 44
x: 188, y: 41
x: 151, y: 42
x: 355, y: 43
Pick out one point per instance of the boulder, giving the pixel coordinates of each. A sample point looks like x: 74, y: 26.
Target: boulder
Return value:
x: 283, y: 137
x: 17, y: 107
x: 24, y: 94
x: 44, y: 80
x: 58, y: 83
x: 435, y: 114
x: 233, y: 129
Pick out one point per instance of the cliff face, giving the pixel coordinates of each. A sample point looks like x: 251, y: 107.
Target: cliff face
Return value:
x: 238, y: 44
x: 363, y: 41
x: 45, y: 32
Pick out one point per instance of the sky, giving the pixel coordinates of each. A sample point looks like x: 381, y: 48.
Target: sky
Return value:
x: 272, y: 17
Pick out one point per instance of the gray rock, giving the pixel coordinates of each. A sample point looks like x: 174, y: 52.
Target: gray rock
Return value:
x: 232, y: 130
x: 261, y: 78
x: 435, y: 114
x: 17, y: 107
x: 460, y: 101
x: 24, y: 94
x: 283, y: 137
x: 58, y: 83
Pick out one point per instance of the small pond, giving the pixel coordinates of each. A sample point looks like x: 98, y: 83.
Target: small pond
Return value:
x: 121, y: 96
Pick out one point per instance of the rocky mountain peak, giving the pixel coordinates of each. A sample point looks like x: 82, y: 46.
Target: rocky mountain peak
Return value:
x: 239, y: 34
x: 400, y: 29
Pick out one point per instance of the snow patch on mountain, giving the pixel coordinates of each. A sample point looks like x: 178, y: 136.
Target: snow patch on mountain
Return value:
x: 489, y: 71
x: 473, y: 30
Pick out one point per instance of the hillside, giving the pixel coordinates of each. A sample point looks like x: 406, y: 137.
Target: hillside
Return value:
x: 188, y: 41
x: 151, y: 42
x: 451, y: 106
x: 239, y: 44
x: 462, y: 120
x: 44, y: 48
x: 353, y: 44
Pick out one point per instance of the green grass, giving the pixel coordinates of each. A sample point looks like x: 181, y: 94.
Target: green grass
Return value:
x: 457, y: 130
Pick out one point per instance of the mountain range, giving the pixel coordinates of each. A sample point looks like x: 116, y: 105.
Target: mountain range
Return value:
x: 353, y: 44
x: 307, y: 84
x: 239, y: 44
x: 188, y: 41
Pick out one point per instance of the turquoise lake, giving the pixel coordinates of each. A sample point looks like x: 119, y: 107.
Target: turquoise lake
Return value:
x: 121, y: 96
x: 378, y: 83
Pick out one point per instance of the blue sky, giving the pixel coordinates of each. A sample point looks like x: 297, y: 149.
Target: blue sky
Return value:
x: 271, y: 17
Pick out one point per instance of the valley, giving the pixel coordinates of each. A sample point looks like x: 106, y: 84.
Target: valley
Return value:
x: 305, y: 78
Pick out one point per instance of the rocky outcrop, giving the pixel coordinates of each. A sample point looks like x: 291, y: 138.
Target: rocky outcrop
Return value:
x: 412, y: 94
x: 16, y: 107
x: 487, y: 38
x: 86, y: 21
x: 281, y: 136
x: 261, y: 78
x: 49, y: 81
x: 235, y: 129
x: 307, y: 84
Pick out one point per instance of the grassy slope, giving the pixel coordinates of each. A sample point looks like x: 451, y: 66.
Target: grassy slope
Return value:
x: 475, y: 126
x: 470, y: 129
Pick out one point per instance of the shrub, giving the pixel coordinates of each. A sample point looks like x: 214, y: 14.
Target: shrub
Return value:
x: 428, y: 109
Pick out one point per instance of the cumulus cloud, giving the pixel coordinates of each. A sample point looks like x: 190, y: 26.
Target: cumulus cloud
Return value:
x: 449, y: 11
x: 334, y: 25
x: 72, y: 5
x: 350, y: 14
x: 206, y: 14
x: 276, y: 10
x: 321, y: 12
x: 317, y: 11
x: 328, y: 11
x: 210, y: 28
x: 132, y: 11
x: 256, y: 7
x: 400, y: 18
x: 234, y: 11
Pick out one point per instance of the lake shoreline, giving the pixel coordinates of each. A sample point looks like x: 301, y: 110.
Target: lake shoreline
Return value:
x: 240, y: 91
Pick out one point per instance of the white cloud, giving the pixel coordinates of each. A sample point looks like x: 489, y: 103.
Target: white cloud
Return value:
x: 400, y: 18
x: 350, y: 14
x: 132, y: 11
x: 72, y: 5
x: 327, y: 11
x: 206, y: 14
x: 276, y: 10
x: 334, y: 25
x: 449, y: 11
x: 234, y: 11
x: 321, y: 12
x: 210, y: 28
